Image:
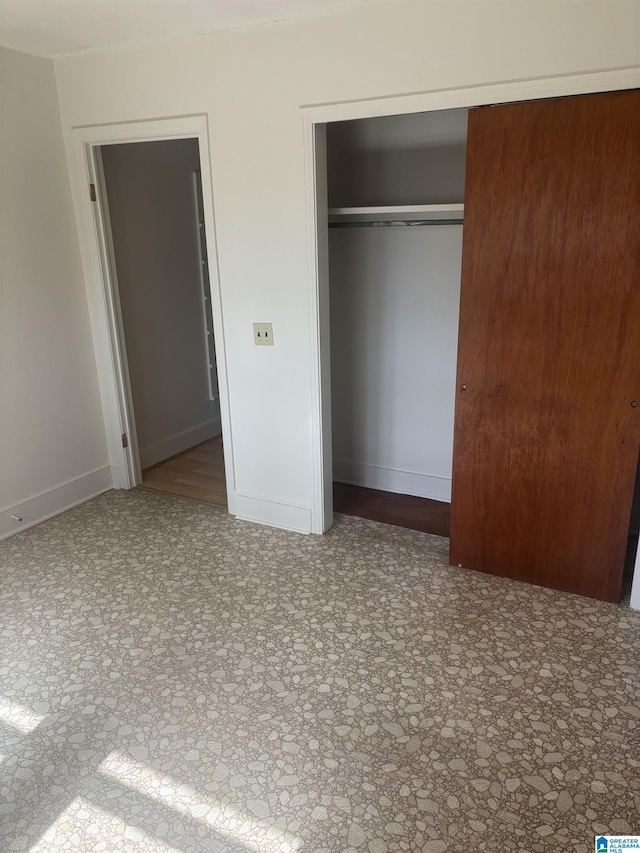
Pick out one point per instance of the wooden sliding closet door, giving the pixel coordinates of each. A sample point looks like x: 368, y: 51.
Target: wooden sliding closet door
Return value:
x: 546, y: 427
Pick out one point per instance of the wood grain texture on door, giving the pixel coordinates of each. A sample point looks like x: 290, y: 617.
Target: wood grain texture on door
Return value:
x: 546, y: 437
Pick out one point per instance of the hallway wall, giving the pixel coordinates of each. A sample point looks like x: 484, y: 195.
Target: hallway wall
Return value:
x: 153, y: 220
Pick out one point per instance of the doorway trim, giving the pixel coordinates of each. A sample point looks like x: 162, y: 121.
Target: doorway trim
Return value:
x: 85, y: 168
x: 314, y: 120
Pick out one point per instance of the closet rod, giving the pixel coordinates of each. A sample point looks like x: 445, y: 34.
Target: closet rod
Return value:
x: 385, y: 223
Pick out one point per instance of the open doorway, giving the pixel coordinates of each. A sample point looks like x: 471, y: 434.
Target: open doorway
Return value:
x: 152, y: 202
x: 395, y: 195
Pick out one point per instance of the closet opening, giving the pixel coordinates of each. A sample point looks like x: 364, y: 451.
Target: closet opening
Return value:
x: 520, y: 508
x: 152, y: 204
x: 395, y: 195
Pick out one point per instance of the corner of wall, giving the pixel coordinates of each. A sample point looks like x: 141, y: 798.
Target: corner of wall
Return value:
x: 52, y: 502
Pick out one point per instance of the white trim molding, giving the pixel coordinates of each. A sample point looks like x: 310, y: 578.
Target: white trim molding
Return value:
x: 319, y: 321
x: 635, y: 587
x: 476, y: 96
x: 47, y: 504
x: 393, y: 480
x: 83, y: 144
x: 314, y: 116
x: 294, y: 517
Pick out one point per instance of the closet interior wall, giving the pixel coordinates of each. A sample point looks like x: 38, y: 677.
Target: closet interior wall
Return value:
x: 394, y: 294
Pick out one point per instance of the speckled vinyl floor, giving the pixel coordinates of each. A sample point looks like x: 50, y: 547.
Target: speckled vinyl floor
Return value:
x: 174, y: 680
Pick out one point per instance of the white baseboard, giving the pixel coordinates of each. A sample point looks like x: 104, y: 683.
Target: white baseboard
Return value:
x: 273, y: 513
x: 160, y: 450
x: 54, y: 501
x: 393, y: 480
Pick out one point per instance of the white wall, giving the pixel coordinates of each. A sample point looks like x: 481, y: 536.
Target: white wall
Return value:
x: 406, y: 159
x: 52, y: 444
x: 635, y: 590
x: 153, y: 220
x: 250, y: 84
x: 395, y: 295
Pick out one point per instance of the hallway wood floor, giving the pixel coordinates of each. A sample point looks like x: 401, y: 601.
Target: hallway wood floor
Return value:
x: 198, y: 474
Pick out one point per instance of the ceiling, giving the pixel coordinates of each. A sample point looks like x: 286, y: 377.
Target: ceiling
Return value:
x: 60, y: 27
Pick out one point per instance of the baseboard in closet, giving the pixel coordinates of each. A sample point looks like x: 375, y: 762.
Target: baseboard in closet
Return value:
x: 393, y: 480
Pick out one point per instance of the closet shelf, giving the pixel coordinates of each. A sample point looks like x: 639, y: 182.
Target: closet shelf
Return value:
x: 398, y: 213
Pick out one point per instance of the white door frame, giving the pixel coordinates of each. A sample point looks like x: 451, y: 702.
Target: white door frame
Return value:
x: 315, y: 118
x: 85, y: 168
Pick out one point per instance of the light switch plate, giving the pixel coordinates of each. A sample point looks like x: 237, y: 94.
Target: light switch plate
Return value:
x: 263, y: 334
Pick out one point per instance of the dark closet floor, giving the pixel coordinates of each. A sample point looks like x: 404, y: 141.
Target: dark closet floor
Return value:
x: 402, y: 510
